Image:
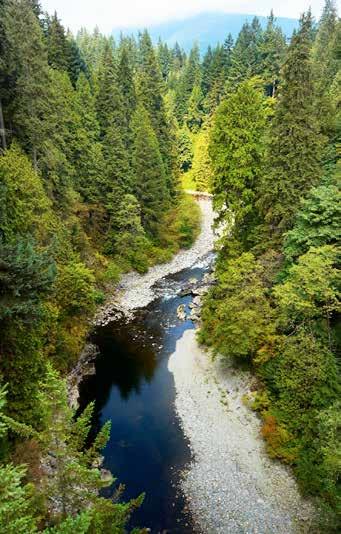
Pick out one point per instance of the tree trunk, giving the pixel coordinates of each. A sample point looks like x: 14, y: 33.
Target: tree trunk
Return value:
x: 2, y: 129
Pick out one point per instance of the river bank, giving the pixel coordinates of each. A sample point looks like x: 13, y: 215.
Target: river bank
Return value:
x: 135, y: 291
x: 232, y: 486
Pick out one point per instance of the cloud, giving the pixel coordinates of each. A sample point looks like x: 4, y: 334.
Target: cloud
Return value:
x: 109, y: 14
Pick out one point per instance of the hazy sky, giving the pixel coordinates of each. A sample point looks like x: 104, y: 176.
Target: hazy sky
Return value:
x: 113, y: 13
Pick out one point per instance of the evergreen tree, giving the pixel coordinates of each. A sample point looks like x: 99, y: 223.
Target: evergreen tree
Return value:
x: 88, y: 151
x: 325, y: 65
x: 125, y: 80
x: 150, y: 96
x: 246, y: 56
x: 295, y: 143
x: 194, y: 115
x: 237, y: 151
x: 16, y: 502
x: 165, y: 59
x: 273, y: 50
x: 26, y: 54
x: 206, y: 81
x: 76, y: 63
x: 185, y: 149
x: 149, y: 175
x: 179, y: 57
x: 115, y: 132
x: 228, y: 49
x: 202, y: 166
x: 190, y: 76
x: 57, y: 44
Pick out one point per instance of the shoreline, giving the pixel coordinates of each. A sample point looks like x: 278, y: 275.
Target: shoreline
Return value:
x: 135, y: 290
x: 232, y: 486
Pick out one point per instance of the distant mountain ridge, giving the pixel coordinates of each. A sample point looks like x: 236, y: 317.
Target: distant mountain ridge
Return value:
x: 205, y: 29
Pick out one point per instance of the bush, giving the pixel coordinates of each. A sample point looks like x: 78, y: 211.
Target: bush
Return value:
x: 75, y: 289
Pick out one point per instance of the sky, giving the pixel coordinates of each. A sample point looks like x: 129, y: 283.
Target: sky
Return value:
x: 109, y: 14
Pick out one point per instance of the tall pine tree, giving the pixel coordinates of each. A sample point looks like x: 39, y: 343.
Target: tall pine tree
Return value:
x: 294, y: 150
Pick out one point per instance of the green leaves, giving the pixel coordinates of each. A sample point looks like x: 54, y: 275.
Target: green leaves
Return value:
x: 311, y: 290
x: 26, y: 277
x: 75, y: 288
x: 237, y: 151
x: 237, y: 314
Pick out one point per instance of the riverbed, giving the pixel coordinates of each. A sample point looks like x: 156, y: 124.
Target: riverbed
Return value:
x: 180, y: 431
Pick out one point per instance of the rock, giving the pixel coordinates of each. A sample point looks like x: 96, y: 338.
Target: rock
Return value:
x: 194, y: 316
x: 106, y: 476
x: 85, y: 367
x: 197, y: 301
x: 181, y: 312
x: 200, y: 290
x: 193, y: 281
x: 185, y: 292
x: 209, y: 279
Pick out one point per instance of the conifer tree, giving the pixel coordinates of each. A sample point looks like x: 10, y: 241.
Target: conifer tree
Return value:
x: 246, y: 56
x: 194, y: 115
x: 185, y: 149
x: 150, y: 95
x: 202, y: 165
x: 149, y: 175
x: 114, y: 131
x: 325, y: 64
x: 27, y: 57
x: 228, y: 48
x: 206, y: 67
x: 125, y: 80
x: 57, y: 44
x: 272, y: 51
x: 295, y: 143
x: 88, y: 152
x: 237, y: 151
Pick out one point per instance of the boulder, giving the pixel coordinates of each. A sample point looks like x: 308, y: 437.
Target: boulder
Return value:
x: 181, y: 312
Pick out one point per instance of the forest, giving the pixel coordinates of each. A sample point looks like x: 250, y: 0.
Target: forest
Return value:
x: 98, y: 140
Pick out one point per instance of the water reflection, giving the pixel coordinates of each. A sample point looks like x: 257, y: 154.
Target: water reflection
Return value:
x: 135, y: 391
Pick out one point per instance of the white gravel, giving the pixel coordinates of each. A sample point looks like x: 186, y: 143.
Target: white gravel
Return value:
x: 232, y: 486
x: 136, y: 290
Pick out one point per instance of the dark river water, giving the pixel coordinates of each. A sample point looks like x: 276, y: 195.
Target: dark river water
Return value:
x: 133, y: 388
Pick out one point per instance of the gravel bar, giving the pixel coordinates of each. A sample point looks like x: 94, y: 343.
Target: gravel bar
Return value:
x: 232, y: 486
x: 136, y: 290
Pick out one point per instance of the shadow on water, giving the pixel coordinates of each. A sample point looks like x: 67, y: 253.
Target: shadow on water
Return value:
x: 133, y: 388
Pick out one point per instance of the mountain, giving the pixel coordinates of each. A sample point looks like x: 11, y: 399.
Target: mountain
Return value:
x: 206, y: 29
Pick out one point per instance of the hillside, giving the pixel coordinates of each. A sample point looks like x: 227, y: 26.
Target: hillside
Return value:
x: 206, y: 28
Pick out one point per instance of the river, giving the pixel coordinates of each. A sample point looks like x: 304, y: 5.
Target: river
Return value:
x: 181, y: 432
x: 134, y: 389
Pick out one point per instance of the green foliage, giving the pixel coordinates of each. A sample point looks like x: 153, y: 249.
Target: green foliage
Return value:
x: 246, y: 55
x: 185, y: 149
x: 237, y: 315
x: 311, y: 290
x: 293, y: 161
x: 201, y: 171
x: 149, y: 173
x: 237, y: 150
x: 273, y: 48
x: 317, y: 222
x: 26, y: 276
x: 24, y: 206
x: 16, y: 502
x: 75, y: 290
